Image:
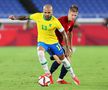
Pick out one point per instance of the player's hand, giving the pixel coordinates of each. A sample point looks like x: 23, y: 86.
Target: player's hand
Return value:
x: 71, y: 51
x: 12, y: 17
x: 68, y: 52
x: 57, y: 59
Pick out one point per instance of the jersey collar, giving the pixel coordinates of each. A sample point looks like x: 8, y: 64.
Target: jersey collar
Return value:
x: 47, y: 19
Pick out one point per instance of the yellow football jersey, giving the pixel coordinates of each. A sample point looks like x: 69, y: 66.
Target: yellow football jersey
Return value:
x: 46, y: 28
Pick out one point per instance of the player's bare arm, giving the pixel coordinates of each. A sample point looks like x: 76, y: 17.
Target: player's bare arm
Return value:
x: 12, y: 17
x: 66, y: 42
x: 70, y: 34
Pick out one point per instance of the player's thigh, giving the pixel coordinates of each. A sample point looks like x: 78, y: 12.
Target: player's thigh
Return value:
x: 42, y: 46
x: 57, y: 50
x: 50, y: 52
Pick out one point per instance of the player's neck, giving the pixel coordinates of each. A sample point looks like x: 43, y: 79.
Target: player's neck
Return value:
x: 70, y: 20
x: 47, y: 19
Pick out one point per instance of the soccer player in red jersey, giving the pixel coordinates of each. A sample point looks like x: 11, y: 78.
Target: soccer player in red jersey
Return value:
x: 68, y: 23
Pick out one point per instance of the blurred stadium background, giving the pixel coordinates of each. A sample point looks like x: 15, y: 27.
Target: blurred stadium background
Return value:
x: 18, y: 70
x: 92, y: 19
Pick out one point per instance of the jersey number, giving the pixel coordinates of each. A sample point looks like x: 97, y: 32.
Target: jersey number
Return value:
x: 46, y: 27
x: 59, y: 47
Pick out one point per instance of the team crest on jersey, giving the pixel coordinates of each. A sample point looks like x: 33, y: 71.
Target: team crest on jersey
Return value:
x: 44, y: 27
x: 50, y: 25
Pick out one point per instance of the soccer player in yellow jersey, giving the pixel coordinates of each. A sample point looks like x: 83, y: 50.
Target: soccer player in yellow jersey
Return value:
x: 47, y: 39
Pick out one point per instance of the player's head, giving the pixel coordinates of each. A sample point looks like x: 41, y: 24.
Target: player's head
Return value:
x: 47, y: 11
x: 72, y: 13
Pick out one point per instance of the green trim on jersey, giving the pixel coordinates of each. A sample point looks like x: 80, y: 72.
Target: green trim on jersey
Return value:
x: 29, y: 17
x: 47, y: 19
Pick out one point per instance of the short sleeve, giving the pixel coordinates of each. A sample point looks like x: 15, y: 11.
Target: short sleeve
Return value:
x: 59, y: 26
x: 34, y: 16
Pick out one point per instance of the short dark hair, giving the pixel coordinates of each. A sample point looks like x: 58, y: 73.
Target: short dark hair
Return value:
x: 74, y: 8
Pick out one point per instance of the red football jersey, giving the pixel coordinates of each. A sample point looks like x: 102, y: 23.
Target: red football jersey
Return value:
x: 66, y: 24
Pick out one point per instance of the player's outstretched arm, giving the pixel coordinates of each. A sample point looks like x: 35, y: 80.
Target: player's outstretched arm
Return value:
x: 12, y: 17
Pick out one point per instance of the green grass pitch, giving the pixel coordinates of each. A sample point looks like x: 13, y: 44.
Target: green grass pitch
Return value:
x: 20, y: 69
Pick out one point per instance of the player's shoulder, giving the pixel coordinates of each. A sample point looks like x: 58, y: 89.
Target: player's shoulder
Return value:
x: 63, y: 18
x: 37, y: 14
x: 54, y: 18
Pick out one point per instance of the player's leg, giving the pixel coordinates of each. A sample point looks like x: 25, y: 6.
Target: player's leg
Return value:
x: 74, y: 77
x: 53, y: 57
x: 62, y: 74
x: 41, y: 48
x: 54, y: 67
x: 68, y: 67
x: 56, y: 63
x: 57, y: 49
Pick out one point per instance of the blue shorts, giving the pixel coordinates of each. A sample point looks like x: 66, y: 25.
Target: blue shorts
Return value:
x: 51, y: 53
x: 55, y: 48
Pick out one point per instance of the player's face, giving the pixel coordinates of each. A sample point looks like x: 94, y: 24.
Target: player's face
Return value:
x: 72, y: 15
x: 47, y: 13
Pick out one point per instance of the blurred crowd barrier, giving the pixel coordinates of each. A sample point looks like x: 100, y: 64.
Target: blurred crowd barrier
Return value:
x: 16, y: 33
